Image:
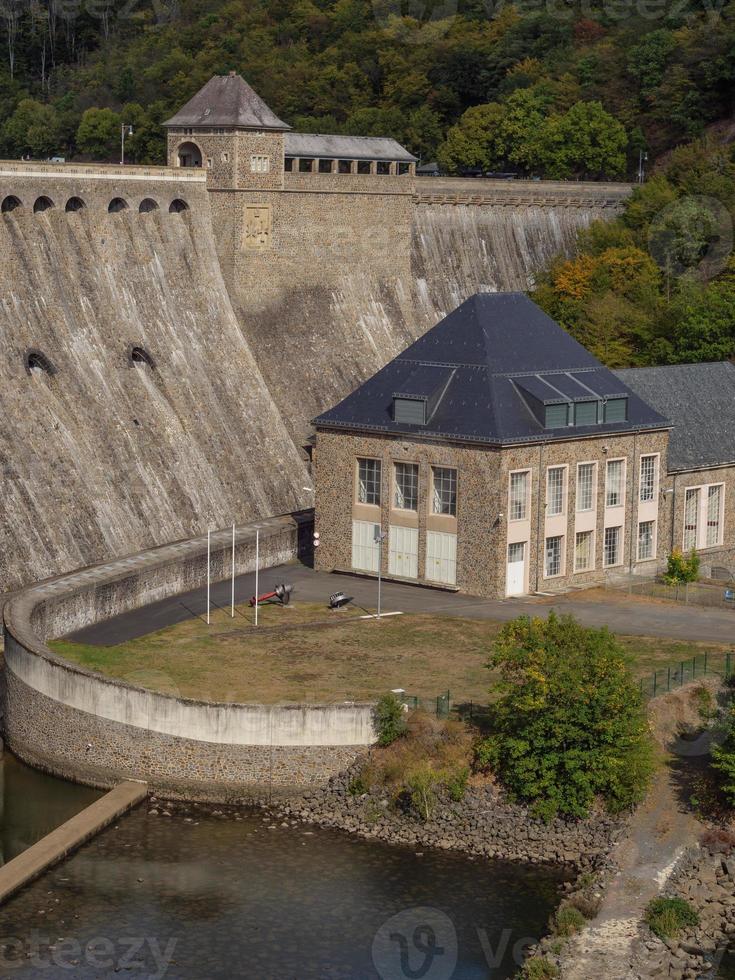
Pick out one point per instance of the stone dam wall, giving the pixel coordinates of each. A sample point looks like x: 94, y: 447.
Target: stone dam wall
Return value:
x: 244, y: 337
x: 106, y: 455
x: 75, y: 723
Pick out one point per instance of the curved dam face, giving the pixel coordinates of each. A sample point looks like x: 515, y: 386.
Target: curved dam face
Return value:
x: 351, y: 270
x: 103, y: 453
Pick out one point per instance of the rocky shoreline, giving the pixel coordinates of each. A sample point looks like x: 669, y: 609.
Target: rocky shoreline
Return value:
x: 483, y: 823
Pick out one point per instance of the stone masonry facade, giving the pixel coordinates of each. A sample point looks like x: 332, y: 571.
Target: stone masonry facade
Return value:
x: 484, y: 528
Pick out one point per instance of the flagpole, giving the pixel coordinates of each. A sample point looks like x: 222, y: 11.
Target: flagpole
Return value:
x: 209, y: 567
x: 257, y: 563
x: 233, y: 571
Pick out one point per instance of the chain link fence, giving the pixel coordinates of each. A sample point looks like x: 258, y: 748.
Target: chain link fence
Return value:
x: 440, y: 706
x: 702, y: 665
x: 708, y: 594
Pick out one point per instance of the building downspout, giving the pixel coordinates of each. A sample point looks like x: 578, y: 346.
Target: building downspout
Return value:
x: 538, y: 517
x: 633, y: 514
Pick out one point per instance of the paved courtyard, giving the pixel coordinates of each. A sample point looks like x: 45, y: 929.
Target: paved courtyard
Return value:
x: 629, y: 615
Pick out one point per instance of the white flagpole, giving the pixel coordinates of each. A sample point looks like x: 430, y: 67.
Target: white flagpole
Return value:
x: 257, y: 563
x: 209, y: 567
x: 233, y: 571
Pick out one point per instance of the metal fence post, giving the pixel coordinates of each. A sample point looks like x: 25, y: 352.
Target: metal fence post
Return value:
x: 681, y: 674
x: 655, y: 678
x: 694, y: 666
x: 668, y: 680
x: 705, y: 663
x: 727, y: 664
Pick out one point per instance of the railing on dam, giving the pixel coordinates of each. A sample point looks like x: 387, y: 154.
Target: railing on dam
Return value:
x: 100, y: 171
x: 541, y: 193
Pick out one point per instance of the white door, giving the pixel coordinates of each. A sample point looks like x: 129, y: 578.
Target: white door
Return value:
x: 364, y: 546
x: 515, y: 583
x: 403, y: 559
x: 441, y: 557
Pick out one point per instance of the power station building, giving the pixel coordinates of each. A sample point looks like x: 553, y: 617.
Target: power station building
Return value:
x: 497, y: 456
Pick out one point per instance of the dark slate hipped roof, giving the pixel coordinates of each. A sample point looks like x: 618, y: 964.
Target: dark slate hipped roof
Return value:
x: 346, y: 148
x: 227, y: 100
x: 491, y: 347
x: 699, y: 399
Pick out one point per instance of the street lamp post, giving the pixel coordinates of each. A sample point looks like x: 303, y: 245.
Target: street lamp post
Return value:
x: 380, y: 536
x: 642, y: 160
x: 125, y: 130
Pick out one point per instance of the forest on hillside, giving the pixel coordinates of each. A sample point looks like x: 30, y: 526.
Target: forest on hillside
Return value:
x: 548, y: 89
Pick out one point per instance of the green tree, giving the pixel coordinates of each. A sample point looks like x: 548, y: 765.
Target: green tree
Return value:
x: 98, y: 134
x: 569, y: 724
x: 476, y: 140
x: 584, y: 142
x: 33, y: 129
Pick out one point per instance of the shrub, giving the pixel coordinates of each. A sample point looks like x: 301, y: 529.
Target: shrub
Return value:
x: 422, y: 784
x: 667, y: 917
x: 723, y: 762
x: 456, y: 783
x: 704, y: 703
x: 539, y: 968
x: 569, y: 723
x: 567, y: 920
x: 682, y: 568
x: 390, y: 719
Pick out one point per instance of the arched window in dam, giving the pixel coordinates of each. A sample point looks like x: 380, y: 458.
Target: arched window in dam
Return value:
x: 42, y: 203
x: 147, y: 205
x: 75, y: 204
x: 139, y: 355
x: 117, y: 204
x: 189, y: 155
x: 10, y: 203
x: 38, y: 363
x: 177, y: 206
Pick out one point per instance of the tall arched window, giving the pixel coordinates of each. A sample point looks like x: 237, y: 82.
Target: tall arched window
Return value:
x: 189, y: 155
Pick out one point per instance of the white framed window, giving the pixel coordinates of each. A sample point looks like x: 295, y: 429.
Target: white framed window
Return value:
x: 444, y: 496
x: 225, y: 158
x: 715, y: 496
x: 584, y: 551
x: 614, y: 483
x: 555, y: 479
x: 553, y: 556
x: 612, y: 552
x: 586, y: 479
x: 406, y: 482
x: 646, y: 540
x: 691, y: 518
x: 368, y: 481
x: 519, y: 484
x: 649, y: 478
x: 260, y: 164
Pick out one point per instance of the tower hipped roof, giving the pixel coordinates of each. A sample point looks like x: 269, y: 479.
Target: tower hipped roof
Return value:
x: 227, y: 100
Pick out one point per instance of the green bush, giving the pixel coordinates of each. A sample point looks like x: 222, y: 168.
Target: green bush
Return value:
x: 682, y: 568
x: 567, y: 920
x: 423, y: 783
x: 390, y: 719
x: 667, y: 917
x: 456, y: 783
x: 539, y: 968
x: 569, y: 723
x: 723, y: 762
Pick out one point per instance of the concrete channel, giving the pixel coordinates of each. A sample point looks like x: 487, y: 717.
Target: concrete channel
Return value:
x: 69, y: 836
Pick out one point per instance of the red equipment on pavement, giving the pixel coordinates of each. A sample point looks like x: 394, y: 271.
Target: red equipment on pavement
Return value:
x: 282, y: 593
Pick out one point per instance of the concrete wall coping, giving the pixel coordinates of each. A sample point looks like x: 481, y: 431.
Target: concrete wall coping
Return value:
x: 101, y: 171
x: 67, y: 602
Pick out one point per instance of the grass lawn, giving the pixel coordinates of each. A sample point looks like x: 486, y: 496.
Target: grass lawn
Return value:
x: 317, y: 661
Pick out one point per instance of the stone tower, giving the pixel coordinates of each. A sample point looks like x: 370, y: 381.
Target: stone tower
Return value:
x: 227, y: 129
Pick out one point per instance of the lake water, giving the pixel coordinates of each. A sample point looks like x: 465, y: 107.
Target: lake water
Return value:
x: 33, y: 804
x: 218, y: 897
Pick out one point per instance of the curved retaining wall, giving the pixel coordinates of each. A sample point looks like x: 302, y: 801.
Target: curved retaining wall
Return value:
x: 80, y: 725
